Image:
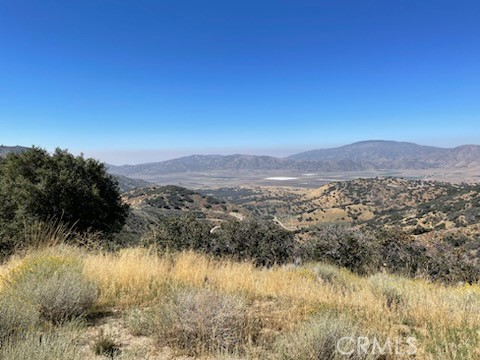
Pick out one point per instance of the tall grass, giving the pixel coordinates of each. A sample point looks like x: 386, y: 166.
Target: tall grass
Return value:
x: 445, y: 320
x: 60, y: 344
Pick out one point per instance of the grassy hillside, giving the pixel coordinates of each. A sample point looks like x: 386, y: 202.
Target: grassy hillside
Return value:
x: 149, y: 206
x: 189, y: 306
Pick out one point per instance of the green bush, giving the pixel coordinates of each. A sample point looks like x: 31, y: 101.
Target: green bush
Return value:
x: 55, y: 285
x: 343, y: 246
x: 264, y: 242
x: 183, y: 232
x: 37, y: 186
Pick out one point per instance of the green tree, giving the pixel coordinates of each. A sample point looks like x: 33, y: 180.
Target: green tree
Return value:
x: 38, y: 186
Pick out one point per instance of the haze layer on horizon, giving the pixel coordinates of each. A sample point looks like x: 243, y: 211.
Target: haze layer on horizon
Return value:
x: 133, y: 82
x: 134, y: 157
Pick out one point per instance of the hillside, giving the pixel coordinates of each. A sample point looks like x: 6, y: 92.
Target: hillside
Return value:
x: 148, y: 205
x: 398, y: 202
x: 126, y: 184
x: 416, y: 206
x: 147, y: 303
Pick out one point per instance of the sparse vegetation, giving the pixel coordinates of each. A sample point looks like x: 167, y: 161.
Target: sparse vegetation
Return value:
x: 317, y: 339
x: 54, y: 285
x: 17, y: 316
x: 197, y: 321
x: 59, y: 344
x: 209, y: 306
x: 105, y: 345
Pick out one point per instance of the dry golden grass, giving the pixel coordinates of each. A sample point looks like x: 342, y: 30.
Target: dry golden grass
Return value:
x: 444, y: 319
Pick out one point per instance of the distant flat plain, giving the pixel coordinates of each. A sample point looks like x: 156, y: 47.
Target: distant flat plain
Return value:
x: 225, y: 178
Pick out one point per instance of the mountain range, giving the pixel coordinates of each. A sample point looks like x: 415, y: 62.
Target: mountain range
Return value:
x: 360, y: 156
x: 4, y: 150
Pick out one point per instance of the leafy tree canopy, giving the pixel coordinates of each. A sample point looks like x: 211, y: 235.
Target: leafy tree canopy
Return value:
x: 38, y: 186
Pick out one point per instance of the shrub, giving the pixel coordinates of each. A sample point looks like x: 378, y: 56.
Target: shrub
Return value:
x: 450, y: 265
x: 196, y: 321
x: 184, y: 232
x: 441, y: 261
x: 317, y: 339
x: 143, y: 322
x: 401, y: 253
x: 57, y: 345
x: 386, y: 286
x: 333, y: 275
x: 343, y: 246
x: 105, y: 345
x: 263, y: 242
x: 326, y: 272
x: 17, y: 317
x: 55, y: 285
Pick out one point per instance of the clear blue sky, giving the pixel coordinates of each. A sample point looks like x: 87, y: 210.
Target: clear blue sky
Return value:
x: 132, y: 81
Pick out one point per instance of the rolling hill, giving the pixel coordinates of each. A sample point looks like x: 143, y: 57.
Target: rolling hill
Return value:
x: 149, y: 205
x: 126, y: 184
x: 414, y: 205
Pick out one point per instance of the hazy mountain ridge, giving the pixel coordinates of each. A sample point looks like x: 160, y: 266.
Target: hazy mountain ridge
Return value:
x: 4, y: 150
x: 238, y: 162
x: 397, y: 155
x: 365, y: 155
x: 360, y: 156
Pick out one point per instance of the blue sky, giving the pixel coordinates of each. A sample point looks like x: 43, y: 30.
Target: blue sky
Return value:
x: 134, y: 81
